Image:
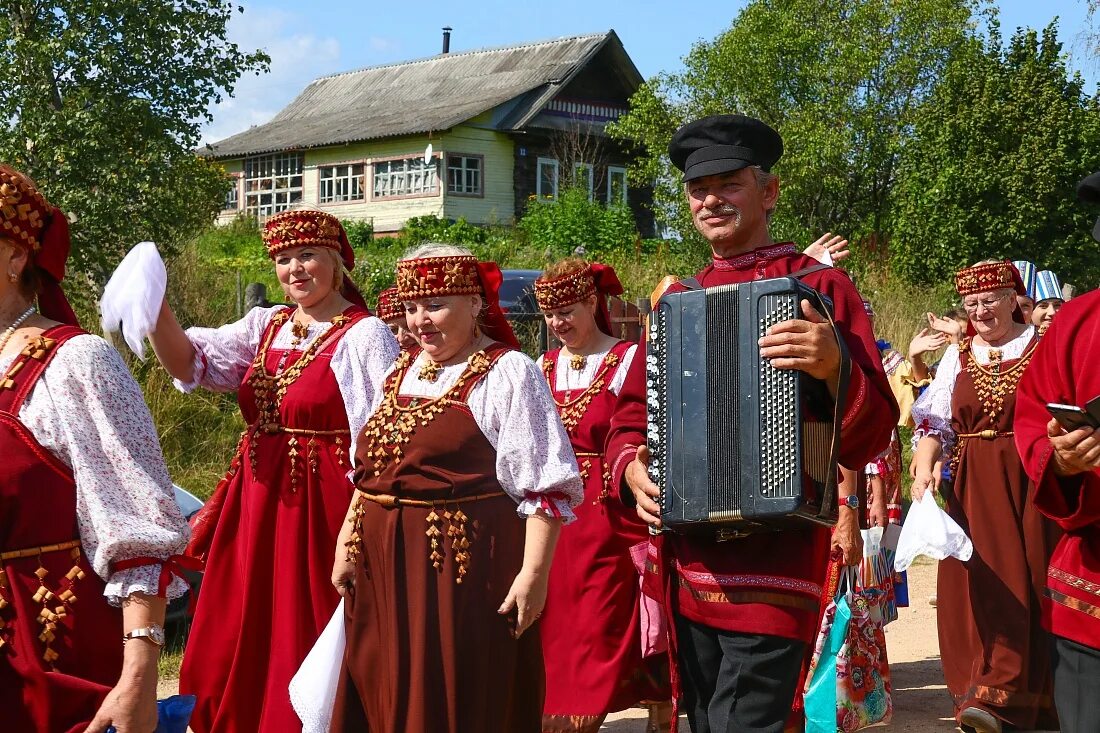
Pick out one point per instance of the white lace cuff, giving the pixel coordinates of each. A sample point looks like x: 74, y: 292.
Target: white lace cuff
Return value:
x: 144, y: 579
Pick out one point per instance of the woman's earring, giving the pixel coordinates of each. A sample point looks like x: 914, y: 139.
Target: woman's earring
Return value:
x: 12, y: 276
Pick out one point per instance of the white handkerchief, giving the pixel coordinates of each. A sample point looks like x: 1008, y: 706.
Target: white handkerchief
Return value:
x: 313, y: 687
x: 133, y: 296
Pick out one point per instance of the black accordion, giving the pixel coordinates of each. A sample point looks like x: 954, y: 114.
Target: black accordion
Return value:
x: 736, y: 445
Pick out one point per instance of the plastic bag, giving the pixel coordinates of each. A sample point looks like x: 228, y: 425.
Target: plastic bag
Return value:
x: 313, y: 687
x: 848, y: 685
x: 928, y: 530
x: 173, y: 714
x: 133, y: 296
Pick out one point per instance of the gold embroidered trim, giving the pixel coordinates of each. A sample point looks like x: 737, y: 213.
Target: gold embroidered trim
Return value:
x: 572, y: 409
x: 1075, y: 603
x: 1073, y: 580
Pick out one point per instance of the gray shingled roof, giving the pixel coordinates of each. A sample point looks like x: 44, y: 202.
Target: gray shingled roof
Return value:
x: 429, y: 94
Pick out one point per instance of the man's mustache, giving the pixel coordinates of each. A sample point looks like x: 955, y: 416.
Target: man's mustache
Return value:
x: 725, y: 210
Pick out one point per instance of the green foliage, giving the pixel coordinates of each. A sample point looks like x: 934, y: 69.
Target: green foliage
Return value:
x: 360, y: 233
x: 573, y: 220
x: 102, y: 104
x: 995, y: 156
x: 839, y: 79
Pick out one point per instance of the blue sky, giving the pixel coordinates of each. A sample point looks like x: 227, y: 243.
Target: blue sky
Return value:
x: 307, y: 40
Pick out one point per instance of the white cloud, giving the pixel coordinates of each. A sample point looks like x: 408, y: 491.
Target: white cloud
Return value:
x: 296, y: 59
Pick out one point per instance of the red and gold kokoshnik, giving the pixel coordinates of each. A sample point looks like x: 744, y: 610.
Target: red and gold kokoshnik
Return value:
x: 985, y: 278
x: 300, y: 229
x: 433, y: 277
x: 390, y: 305
x: 24, y: 212
x: 565, y: 290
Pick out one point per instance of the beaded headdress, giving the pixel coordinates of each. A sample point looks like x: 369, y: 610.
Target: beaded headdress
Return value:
x: 430, y: 277
x: 440, y: 277
x: 390, y: 306
x: 566, y: 290
x: 24, y: 212
x: 988, y: 277
x: 306, y: 228
x: 592, y: 279
x: 28, y: 220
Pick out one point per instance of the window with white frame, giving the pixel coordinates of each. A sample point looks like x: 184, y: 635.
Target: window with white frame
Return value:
x: 272, y: 183
x: 582, y: 177
x: 406, y: 177
x: 616, y: 184
x: 339, y: 183
x: 233, y: 195
x: 464, y: 175
x: 546, y: 183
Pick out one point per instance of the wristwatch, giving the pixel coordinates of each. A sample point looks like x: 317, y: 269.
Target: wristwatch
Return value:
x: 152, y: 632
x: 851, y: 501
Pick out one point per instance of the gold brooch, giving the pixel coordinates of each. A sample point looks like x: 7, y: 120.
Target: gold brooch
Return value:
x: 429, y: 371
x: 577, y: 361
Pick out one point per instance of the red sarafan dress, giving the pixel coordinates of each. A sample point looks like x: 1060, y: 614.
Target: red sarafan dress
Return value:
x: 994, y: 650
x: 441, y: 467
x: 591, y: 635
x: 270, y: 531
x: 72, y: 504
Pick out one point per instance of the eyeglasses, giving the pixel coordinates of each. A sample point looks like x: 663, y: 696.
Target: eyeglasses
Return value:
x: 987, y: 303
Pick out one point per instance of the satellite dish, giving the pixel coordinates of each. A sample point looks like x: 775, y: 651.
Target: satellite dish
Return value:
x: 428, y: 154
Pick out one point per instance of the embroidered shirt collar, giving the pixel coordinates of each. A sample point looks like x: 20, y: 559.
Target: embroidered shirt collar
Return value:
x: 760, y: 254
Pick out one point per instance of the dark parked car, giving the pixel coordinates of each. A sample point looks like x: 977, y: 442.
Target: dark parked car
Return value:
x: 517, y: 300
x: 178, y: 610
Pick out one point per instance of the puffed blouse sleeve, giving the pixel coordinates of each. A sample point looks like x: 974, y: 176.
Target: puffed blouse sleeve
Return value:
x: 535, y: 461
x: 222, y: 355
x: 92, y: 415
x: 360, y: 363
x: 932, y: 410
x: 619, y: 379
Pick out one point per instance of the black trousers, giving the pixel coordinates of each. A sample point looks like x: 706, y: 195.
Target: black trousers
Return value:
x: 1076, y: 685
x: 737, y: 683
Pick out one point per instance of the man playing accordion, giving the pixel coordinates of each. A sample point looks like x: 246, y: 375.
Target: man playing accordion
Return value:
x: 743, y: 612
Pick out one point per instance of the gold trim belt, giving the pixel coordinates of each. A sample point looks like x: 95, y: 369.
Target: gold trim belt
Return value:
x: 32, y: 551
x: 62, y: 596
x: 987, y: 434
x: 294, y: 448
x: 456, y: 525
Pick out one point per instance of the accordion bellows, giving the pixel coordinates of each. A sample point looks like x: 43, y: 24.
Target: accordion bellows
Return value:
x: 736, y: 445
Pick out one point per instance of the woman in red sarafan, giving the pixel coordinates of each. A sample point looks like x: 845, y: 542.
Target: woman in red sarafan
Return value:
x: 87, y: 510
x: 307, y: 377
x: 591, y: 635
x: 993, y: 647
x: 442, y: 581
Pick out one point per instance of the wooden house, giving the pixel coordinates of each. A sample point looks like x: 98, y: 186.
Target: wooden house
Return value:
x: 504, y: 124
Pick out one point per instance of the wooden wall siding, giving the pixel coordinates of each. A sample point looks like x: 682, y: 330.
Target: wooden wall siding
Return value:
x: 389, y: 215
x: 497, y: 204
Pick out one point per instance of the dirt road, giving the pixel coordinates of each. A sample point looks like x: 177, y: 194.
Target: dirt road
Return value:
x: 921, y: 704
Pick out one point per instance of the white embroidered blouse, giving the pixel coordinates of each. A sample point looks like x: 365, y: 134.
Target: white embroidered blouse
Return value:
x: 89, y: 412
x: 360, y: 360
x: 932, y: 410
x: 568, y: 378
x: 513, y: 408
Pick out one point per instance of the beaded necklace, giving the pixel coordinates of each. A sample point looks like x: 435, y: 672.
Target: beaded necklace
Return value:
x: 393, y: 424
x: 270, y: 389
x: 991, y: 383
x: 572, y: 409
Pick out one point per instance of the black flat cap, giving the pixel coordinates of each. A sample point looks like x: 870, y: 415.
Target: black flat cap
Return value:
x: 723, y: 144
x: 1088, y: 191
